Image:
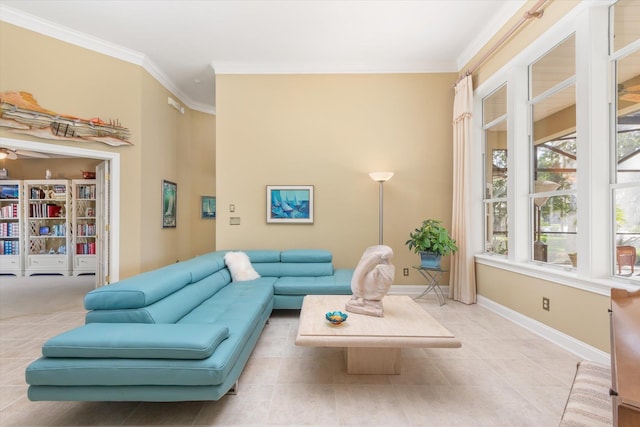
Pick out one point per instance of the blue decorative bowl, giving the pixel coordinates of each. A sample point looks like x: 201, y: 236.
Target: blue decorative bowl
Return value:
x: 336, y: 317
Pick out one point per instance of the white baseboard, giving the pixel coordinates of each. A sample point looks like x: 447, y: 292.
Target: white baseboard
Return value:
x: 569, y: 343
x: 414, y: 290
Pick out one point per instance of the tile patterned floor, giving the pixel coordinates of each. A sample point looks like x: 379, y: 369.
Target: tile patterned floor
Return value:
x: 502, y: 376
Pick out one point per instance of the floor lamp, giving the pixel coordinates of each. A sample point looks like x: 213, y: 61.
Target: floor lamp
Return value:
x: 381, y: 178
x: 539, y: 248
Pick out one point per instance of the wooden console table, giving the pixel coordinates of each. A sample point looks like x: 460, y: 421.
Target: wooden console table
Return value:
x: 625, y: 357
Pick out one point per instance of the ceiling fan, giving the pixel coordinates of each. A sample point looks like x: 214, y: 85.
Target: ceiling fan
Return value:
x: 11, y: 154
x: 631, y: 93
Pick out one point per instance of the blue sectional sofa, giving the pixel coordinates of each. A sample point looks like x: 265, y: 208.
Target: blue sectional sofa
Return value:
x: 182, y: 332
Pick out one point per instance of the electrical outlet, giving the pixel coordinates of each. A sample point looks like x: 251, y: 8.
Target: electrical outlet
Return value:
x: 234, y: 220
x: 545, y: 303
x: 405, y: 271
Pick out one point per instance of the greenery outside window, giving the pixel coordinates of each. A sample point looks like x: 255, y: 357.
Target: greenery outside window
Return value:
x: 553, y: 187
x: 494, y: 119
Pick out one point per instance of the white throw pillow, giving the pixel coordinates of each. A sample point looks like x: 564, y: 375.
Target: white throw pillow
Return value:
x: 240, y: 266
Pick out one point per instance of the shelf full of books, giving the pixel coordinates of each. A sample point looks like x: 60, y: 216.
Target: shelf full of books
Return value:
x: 48, y: 227
x: 84, y: 235
x: 10, y: 229
x: 47, y: 235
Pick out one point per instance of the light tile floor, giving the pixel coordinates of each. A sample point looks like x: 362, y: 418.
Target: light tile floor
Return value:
x: 502, y: 376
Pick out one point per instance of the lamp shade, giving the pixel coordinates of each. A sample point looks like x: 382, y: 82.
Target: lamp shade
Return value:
x: 543, y: 187
x: 381, y: 176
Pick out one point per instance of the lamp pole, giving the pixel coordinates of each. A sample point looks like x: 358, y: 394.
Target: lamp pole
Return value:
x: 381, y: 178
x: 380, y: 213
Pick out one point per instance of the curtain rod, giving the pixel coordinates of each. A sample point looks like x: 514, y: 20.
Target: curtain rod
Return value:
x: 531, y: 13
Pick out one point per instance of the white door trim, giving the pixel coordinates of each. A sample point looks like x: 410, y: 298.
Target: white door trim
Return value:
x: 114, y: 160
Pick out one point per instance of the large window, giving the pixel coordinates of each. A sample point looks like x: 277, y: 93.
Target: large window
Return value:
x: 625, y: 53
x: 494, y: 119
x: 553, y: 195
x: 561, y: 153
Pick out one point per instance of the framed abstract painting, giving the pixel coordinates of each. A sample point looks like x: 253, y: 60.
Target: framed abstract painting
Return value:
x: 290, y: 204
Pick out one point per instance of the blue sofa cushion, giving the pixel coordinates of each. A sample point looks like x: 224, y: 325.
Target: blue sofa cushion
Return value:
x: 169, y: 309
x: 325, y: 285
x: 263, y: 256
x: 137, y: 341
x: 306, y: 255
x: 140, y: 290
x: 203, y: 266
x: 293, y: 269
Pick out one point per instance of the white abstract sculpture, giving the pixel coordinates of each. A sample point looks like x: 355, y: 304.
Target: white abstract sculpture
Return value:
x: 371, y: 281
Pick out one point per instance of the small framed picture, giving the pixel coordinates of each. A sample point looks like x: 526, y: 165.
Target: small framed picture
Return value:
x: 169, y: 203
x: 44, y: 230
x: 208, y: 207
x: 290, y: 204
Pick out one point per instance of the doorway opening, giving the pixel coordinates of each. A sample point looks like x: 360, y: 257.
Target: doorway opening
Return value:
x: 110, y: 162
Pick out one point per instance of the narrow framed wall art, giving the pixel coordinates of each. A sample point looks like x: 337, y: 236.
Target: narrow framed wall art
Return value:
x: 169, y: 203
x: 208, y: 207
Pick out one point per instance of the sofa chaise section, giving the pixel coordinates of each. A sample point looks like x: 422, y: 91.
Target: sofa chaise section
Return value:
x: 182, y: 332
x: 158, y: 305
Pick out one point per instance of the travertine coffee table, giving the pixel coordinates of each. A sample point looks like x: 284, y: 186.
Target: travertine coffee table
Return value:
x: 372, y: 343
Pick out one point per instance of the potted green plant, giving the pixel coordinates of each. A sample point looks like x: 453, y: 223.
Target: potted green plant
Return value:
x: 432, y: 241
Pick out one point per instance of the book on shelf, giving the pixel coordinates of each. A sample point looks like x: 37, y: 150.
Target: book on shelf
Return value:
x: 9, y: 247
x: 86, y: 230
x: 44, y: 210
x: 86, y: 191
x: 9, y: 211
x: 86, y: 248
x: 53, y: 210
x: 10, y: 229
x: 36, y: 193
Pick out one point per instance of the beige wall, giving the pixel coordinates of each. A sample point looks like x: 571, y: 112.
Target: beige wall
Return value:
x: 580, y: 314
x: 330, y: 131
x: 201, y: 166
x: 76, y: 81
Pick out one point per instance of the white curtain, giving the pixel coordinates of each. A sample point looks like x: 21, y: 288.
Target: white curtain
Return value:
x: 462, y: 279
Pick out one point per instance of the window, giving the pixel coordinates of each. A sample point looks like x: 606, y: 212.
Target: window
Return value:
x: 626, y: 141
x: 494, y: 118
x: 560, y: 163
x: 553, y: 195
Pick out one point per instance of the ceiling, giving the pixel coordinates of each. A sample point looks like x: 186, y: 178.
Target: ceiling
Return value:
x: 186, y: 43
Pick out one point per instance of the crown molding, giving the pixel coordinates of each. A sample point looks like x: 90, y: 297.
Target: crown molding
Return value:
x: 65, y: 34
x: 356, y: 68
x: 168, y: 84
x: 507, y: 11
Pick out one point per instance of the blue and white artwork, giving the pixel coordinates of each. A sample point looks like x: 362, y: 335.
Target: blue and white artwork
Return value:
x: 208, y: 207
x: 290, y: 203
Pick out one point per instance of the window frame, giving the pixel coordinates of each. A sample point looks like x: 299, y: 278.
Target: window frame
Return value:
x: 614, y: 185
x: 590, y: 22
x: 488, y: 202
